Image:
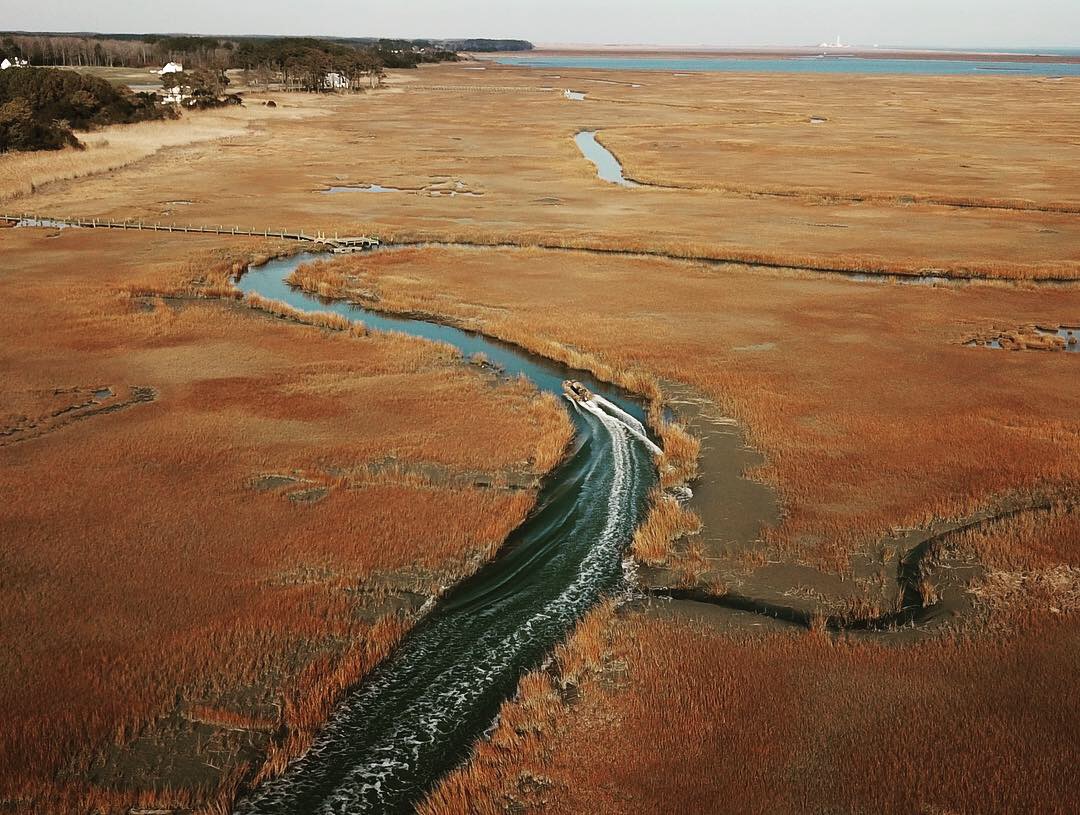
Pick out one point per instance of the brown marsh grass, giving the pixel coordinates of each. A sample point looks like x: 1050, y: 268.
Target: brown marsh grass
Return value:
x: 541, y: 191
x: 1032, y: 564
x: 142, y: 563
x: 113, y: 148
x: 679, y: 461
x: 666, y: 522
x: 865, y: 262
x: 869, y: 410
x: 902, y: 153
x: 1028, y: 541
x: 671, y: 717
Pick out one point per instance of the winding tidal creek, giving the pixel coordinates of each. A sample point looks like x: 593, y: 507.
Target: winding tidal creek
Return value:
x: 416, y: 716
x: 608, y: 167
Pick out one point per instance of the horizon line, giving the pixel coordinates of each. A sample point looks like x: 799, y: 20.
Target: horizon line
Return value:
x: 1003, y: 48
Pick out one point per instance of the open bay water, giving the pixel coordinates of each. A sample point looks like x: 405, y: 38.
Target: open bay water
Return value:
x: 800, y: 65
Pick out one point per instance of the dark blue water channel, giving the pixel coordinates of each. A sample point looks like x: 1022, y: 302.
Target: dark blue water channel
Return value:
x: 418, y: 714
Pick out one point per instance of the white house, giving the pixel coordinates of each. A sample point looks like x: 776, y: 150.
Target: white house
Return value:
x: 175, y: 95
x: 336, y: 81
x: 17, y: 63
x: 172, y: 68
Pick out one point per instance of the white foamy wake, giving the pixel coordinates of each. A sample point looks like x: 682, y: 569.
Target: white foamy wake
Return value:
x: 618, y: 413
x: 450, y: 696
x: 633, y: 425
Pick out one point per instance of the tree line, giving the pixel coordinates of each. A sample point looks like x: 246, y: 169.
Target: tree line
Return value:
x: 303, y: 63
x: 148, y: 50
x: 78, y: 50
x: 40, y: 108
x: 485, y: 45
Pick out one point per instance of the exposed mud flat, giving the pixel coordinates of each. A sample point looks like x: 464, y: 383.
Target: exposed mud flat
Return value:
x: 733, y: 508
x: 186, y: 749
x: 267, y: 483
x: 900, y: 589
x: 712, y: 616
x: 738, y: 572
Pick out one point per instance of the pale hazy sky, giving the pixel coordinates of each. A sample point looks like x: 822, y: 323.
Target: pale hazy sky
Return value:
x: 973, y: 23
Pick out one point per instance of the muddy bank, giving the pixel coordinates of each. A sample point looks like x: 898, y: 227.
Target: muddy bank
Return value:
x: 904, y: 585
x: 733, y: 507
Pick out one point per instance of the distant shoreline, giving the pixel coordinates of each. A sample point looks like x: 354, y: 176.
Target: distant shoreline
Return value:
x: 789, y: 52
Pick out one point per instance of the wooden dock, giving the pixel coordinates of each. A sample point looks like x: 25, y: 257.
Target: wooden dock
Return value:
x: 482, y: 88
x: 334, y: 243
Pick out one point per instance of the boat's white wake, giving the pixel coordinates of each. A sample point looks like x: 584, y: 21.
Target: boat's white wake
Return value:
x: 599, y: 406
x: 447, y: 698
x: 451, y: 694
x: 415, y: 715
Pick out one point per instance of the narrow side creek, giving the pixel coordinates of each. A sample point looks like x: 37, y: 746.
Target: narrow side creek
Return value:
x: 417, y: 715
x: 608, y: 167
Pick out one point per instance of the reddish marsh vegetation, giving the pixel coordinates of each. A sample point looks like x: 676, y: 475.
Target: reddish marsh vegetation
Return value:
x: 870, y: 411
x: 1032, y: 564
x: 235, y: 552
x: 671, y: 717
x: 679, y: 461
x: 667, y: 520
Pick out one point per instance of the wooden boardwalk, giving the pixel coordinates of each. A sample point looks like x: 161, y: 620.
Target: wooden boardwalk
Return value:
x: 335, y: 243
x: 482, y: 88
